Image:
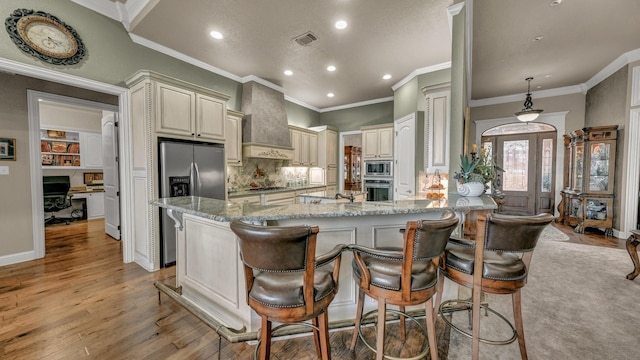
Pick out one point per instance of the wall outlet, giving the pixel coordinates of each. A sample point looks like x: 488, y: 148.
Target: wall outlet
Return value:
x: 4, y: 170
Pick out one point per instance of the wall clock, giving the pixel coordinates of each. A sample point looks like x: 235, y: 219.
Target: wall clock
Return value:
x: 45, y: 36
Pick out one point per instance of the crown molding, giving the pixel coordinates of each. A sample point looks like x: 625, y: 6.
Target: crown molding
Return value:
x: 615, y: 65
x: 417, y: 72
x: 262, y: 81
x: 301, y: 103
x: 362, y: 103
x: 567, y: 90
x: 106, y: 8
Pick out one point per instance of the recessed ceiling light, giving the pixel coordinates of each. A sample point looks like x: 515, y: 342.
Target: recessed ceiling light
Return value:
x: 539, y: 87
x: 288, y: 72
x: 555, y: 3
x: 341, y: 24
x: 538, y: 38
x: 216, y: 35
x: 386, y: 76
x: 330, y: 95
x: 548, y: 76
x: 331, y: 68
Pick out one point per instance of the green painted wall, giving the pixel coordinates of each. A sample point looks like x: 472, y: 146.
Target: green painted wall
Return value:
x: 354, y: 118
x: 301, y: 116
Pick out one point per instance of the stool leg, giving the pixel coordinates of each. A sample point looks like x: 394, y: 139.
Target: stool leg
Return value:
x: 403, y: 330
x: 324, y: 336
x: 265, y: 339
x: 475, y: 314
x: 431, y: 329
x: 517, y: 316
x: 358, y: 319
x: 382, y: 310
x: 316, y: 335
x: 436, y: 310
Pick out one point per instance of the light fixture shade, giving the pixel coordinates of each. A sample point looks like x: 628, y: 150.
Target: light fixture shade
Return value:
x: 528, y: 114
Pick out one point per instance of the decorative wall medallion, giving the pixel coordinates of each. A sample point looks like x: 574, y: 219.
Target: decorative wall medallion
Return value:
x: 45, y: 36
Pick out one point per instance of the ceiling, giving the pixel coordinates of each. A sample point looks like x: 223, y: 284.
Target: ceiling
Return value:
x: 580, y: 39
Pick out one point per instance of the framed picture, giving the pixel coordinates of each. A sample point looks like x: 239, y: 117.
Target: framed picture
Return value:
x: 7, y: 149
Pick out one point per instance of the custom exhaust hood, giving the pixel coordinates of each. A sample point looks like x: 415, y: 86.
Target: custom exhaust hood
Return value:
x: 265, y: 130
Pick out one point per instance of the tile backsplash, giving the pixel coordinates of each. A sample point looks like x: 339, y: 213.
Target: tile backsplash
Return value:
x: 264, y: 173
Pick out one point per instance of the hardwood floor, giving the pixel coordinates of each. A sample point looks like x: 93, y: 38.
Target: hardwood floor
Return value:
x: 82, y: 302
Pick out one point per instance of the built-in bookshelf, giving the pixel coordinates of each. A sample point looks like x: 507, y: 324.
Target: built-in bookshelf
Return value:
x: 60, y: 149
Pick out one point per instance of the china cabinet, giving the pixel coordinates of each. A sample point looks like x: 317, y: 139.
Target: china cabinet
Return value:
x: 352, y: 160
x: 587, y: 199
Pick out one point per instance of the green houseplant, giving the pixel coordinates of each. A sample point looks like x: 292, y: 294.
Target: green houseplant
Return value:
x: 480, y: 169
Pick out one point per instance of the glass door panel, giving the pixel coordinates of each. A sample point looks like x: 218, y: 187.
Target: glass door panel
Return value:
x: 515, y: 162
x: 599, y: 168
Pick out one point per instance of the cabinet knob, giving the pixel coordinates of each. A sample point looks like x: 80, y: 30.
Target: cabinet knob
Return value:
x: 193, y: 134
x: 198, y: 134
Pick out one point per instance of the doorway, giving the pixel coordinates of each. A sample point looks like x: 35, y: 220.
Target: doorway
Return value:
x: 90, y: 132
x: 526, y: 152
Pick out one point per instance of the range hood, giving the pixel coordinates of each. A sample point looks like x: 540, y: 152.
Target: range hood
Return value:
x: 265, y: 129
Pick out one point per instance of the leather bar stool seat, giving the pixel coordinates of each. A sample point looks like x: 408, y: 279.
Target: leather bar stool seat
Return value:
x: 285, y: 290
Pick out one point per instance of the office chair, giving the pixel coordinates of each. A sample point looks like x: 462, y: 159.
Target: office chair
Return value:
x: 56, y: 198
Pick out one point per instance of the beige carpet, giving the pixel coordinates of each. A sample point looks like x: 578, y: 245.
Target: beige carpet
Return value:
x: 577, y: 304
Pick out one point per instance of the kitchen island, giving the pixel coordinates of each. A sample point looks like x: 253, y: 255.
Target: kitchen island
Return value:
x: 209, y: 272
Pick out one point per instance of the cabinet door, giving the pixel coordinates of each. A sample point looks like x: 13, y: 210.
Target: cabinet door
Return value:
x: 385, y: 143
x: 91, y: 150
x: 95, y: 205
x: 313, y: 149
x: 304, y: 148
x: 332, y: 148
x: 233, y: 142
x: 210, y: 116
x: 296, y: 143
x: 370, y: 144
x: 176, y: 110
x: 332, y: 176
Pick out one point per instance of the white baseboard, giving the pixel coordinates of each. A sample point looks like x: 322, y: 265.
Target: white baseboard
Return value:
x: 17, y: 258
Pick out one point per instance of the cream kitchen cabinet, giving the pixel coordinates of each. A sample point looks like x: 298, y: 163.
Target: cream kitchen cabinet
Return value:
x: 186, y: 112
x: 233, y: 143
x: 328, y: 153
x: 377, y: 142
x: 280, y: 198
x: 305, y: 146
x: 249, y: 199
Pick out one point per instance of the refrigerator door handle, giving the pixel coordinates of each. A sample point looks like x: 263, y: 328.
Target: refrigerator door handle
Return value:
x: 192, y: 178
x: 197, y: 176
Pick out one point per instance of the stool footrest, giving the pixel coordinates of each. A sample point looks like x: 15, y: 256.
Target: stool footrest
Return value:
x: 422, y: 354
x: 452, y: 306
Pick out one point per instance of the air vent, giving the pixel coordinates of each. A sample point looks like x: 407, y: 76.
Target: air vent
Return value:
x: 306, y: 38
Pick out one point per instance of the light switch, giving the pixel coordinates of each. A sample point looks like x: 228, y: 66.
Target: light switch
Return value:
x: 4, y: 170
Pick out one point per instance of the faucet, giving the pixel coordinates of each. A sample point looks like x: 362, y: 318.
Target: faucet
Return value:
x: 350, y: 197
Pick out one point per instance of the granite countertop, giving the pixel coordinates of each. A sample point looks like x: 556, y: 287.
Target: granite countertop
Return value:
x: 220, y: 210
x: 246, y: 192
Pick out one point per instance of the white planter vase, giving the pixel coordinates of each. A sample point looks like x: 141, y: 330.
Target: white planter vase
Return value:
x: 471, y: 189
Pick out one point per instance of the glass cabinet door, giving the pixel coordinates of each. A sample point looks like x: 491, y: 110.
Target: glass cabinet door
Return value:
x: 577, y: 164
x: 599, y: 167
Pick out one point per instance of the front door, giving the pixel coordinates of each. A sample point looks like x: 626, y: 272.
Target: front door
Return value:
x: 528, y: 178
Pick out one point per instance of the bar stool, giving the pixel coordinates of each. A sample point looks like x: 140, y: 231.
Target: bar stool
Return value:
x: 286, y: 282
x: 497, y: 262
x: 402, y: 276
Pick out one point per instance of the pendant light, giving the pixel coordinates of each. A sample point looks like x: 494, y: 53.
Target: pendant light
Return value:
x: 528, y: 114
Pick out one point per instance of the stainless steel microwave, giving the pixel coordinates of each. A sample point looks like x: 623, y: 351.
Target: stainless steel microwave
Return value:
x: 378, y: 168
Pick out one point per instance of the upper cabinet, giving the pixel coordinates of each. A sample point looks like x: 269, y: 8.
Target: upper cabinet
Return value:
x: 188, y: 111
x: 305, y: 146
x: 377, y: 142
x: 436, y: 132
x: 233, y: 143
x: 328, y: 153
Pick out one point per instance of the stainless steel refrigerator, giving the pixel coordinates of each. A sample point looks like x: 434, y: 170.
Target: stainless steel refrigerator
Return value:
x: 187, y: 169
